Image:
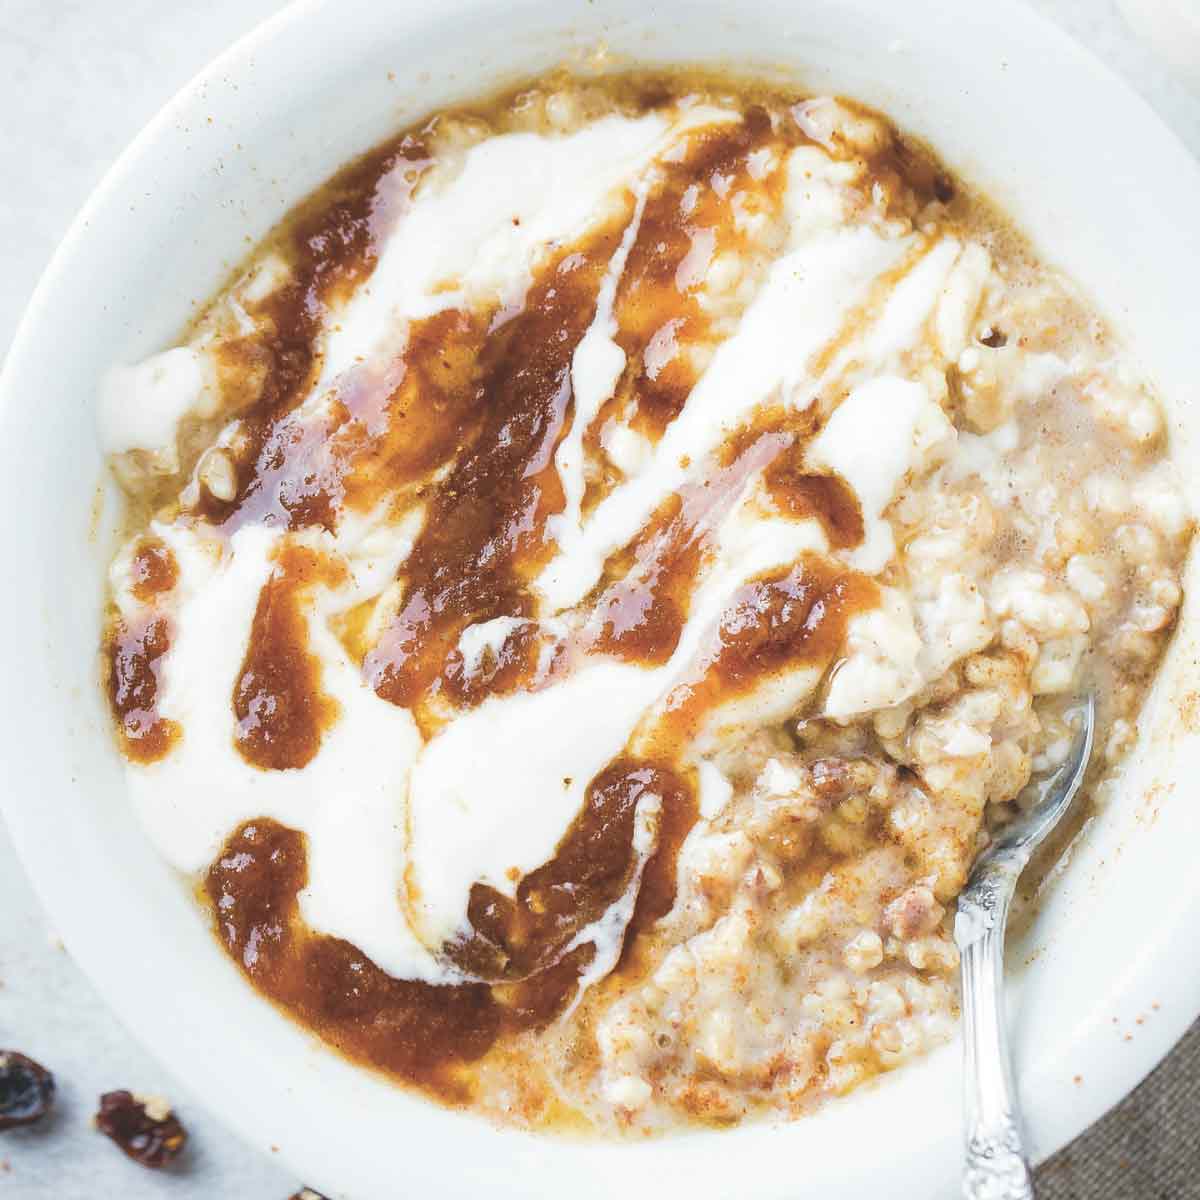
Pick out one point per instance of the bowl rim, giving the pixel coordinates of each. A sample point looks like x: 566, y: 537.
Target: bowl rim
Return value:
x: 21, y: 358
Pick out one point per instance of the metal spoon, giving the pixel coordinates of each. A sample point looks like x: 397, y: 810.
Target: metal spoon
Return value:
x: 997, y: 1166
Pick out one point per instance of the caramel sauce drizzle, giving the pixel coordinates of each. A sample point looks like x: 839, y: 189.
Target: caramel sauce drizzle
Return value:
x: 685, y: 225
x: 134, y: 656
x: 287, y: 466
x: 790, y: 617
x: 484, y: 534
x: 280, y: 707
x: 465, y: 419
x: 825, y: 498
x: 417, y: 1031
x: 641, y: 614
x: 592, y: 866
x: 153, y: 569
x: 421, y: 1032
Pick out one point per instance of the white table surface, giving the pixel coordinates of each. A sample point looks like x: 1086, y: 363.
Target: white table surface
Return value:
x: 77, y: 80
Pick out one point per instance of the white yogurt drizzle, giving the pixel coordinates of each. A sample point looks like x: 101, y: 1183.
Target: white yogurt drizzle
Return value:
x: 399, y: 829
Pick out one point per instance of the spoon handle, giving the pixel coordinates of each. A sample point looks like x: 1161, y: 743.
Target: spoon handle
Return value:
x: 997, y: 1167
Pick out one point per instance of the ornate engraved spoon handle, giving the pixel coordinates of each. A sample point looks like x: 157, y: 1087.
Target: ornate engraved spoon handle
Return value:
x: 996, y: 1167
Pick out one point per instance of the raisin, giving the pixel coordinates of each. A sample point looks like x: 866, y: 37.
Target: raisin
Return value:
x: 147, y: 1131
x: 26, y: 1090
x: 994, y: 339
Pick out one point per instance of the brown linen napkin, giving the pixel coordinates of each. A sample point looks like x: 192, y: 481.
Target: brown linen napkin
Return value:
x: 1147, y: 1148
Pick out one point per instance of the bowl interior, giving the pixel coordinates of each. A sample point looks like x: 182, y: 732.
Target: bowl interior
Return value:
x: 1113, y: 973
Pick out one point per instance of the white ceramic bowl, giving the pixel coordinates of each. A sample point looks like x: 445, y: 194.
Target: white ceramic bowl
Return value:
x: 1114, y: 965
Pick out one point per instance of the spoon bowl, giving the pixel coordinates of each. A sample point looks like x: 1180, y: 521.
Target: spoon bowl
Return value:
x: 1028, y: 831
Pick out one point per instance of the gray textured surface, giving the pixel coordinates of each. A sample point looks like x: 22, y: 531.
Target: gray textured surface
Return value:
x: 78, y: 78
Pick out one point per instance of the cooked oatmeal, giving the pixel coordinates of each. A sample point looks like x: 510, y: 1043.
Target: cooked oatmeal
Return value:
x: 597, y: 575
